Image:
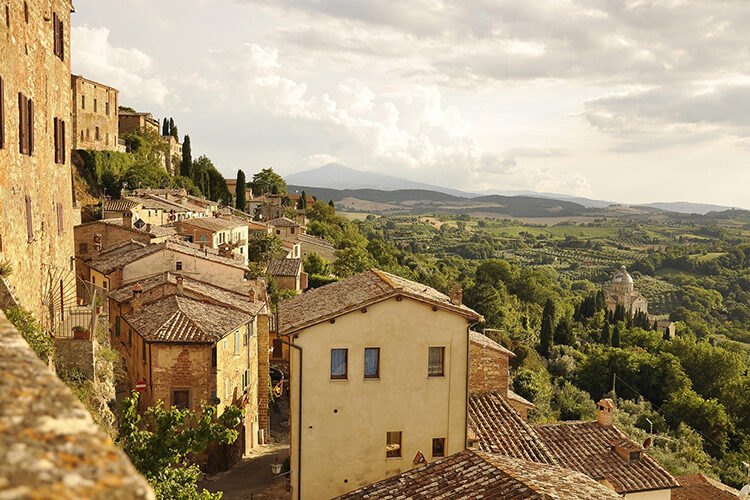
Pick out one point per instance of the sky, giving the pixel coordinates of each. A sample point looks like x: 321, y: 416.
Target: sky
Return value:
x: 624, y: 100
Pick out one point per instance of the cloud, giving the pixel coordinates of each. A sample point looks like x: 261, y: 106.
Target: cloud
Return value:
x: 320, y: 159
x: 128, y: 70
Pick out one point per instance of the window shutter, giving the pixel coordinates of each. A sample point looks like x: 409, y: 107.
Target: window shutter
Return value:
x: 62, y: 141
x: 29, y: 225
x: 57, y: 139
x: 62, y: 39
x: 60, y: 227
x: 55, y: 45
x: 22, y: 108
x: 30, y: 121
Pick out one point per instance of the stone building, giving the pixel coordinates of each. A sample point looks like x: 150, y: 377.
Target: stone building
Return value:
x: 227, y: 234
x: 288, y: 274
x: 174, y: 159
x: 36, y: 205
x: 192, y: 341
x: 384, y: 362
x: 622, y: 293
x: 112, y: 232
x: 95, y: 122
x: 133, y: 120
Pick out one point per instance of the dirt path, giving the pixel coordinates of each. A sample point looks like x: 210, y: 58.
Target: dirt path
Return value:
x: 252, y: 477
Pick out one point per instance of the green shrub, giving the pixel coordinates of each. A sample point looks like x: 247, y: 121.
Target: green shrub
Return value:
x: 39, y: 341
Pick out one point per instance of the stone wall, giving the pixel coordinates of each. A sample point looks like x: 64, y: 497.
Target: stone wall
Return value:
x: 488, y: 369
x: 111, y: 234
x: 75, y: 354
x: 52, y: 448
x: 28, y: 65
x: 94, y: 107
x: 263, y: 376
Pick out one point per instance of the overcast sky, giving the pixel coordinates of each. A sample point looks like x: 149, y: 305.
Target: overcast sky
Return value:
x: 623, y: 100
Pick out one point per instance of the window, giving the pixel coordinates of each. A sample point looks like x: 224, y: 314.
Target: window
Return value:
x: 245, y: 379
x: 26, y: 12
x: 143, y: 351
x: 292, y: 230
x: 372, y: 362
x: 339, y: 358
x: 181, y: 399
x: 83, y: 102
x: 117, y: 326
x: 246, y: 336
x: 237, y: 342
x: 7, y: 17
x: 29, y: 222
x: 25, y: 125
x: 393, y: 444
x: 2, y: 113
x: 95, y: 106
x: 213, y: 356
x: 178, y: 265
x: 106, y: 109
x: 83, y: 247
x: 226, y: 345
x: 435, y: 363
x: 96, y: 129
x: 82, y: 136
x: 59, y: 141
x: 438, y: 447
x: 59, y: 29
x: 278, y: 352
x: 204, y: 239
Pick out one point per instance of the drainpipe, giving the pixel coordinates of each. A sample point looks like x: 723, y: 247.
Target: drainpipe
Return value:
x: 466, y: 411
x: 299, y: 415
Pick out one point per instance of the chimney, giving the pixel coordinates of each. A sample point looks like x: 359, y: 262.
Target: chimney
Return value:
x: 137, y: 293
x: 456, y: 295
x: 127, y: 219
x: 180, y: 286
x: 605, y: 412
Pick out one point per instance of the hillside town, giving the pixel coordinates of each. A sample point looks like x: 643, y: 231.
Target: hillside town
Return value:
x: 171, y: 333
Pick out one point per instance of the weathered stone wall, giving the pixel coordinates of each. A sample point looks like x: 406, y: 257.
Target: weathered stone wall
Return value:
x: 111, y: 234
x: 263, y: 376
x: 75, y: 354
x: 176, y: 366
x: 94, y: 106
x: 51, y: 446
x: 488, y: 369
x: 29, y: 66
x: 7, y: 296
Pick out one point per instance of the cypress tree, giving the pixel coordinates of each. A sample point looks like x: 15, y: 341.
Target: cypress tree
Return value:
x: 604, y: 338
x: 303, y: 201
x: 545, y: 337
x: 330, y: 204
x: 240, y: 201
x: 165, y: 127
x: 172, y: 129
x: 187, y: 160
x: 655, y: 326
x: 616, y: 336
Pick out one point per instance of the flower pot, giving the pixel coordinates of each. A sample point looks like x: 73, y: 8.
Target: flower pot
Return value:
x: 98, y: 309
x: 275, y: 469
x: 81, y: 334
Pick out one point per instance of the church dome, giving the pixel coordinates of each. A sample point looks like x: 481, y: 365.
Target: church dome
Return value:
x: 622, y: 276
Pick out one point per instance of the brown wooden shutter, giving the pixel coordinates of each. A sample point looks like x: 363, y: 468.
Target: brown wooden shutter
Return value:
x: 59, y: 218
x: 62, y: 141
x: 2, y: 113
x: 30, y: 120
x: 22, y: 128
x: 56, y: 129
x: 62, y: 39
x: 29, y: 225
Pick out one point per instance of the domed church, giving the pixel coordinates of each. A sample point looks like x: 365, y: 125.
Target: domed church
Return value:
x: 622, y: 293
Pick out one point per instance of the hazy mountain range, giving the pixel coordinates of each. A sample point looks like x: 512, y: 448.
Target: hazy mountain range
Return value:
x: 341, y: 177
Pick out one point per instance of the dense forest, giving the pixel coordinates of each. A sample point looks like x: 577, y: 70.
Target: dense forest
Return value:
x: 539, y: 288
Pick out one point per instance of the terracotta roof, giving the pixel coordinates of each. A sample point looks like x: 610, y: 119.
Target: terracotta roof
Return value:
x: 214, y: 223
x: 500, y: 429
x: 469, y: 475
x: 184, y: 320
x: 119, y: 205
x: 700, y: 487
x: 587, y: 447
x: 351, y: 293
x: 110, y: 262
x: 257, y: 226
x: 485, y: 341
x: 229, y: 298
x: 155, y: 231
x: 282, y: 222
x: 284, y: 267
x: 314, y: 240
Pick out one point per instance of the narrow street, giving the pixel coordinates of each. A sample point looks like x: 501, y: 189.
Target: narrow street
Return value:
x: 252, y: 477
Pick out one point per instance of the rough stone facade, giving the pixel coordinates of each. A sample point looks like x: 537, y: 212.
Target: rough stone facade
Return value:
x: 36, y: 205
x: 75, y: 354
x: 110, y: 233
x: 95, y: 115
x: 129, y: 121
x: 264, y: 424
x: 52, y: 447
x: 488, y: 368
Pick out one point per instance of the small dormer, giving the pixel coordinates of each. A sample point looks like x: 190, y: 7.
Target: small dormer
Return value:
x: 627, y: 450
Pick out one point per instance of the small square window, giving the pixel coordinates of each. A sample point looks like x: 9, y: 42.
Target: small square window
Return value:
x: 393, y: 444
x: 438, y: 447
x: 181, y: 399
x: 178, y: 265
x: 372, y: 362
x: 436, y: 361
x: 83, y: 247
x: 339, y: 359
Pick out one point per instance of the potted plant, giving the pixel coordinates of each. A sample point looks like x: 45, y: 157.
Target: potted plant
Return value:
x: 99, y: 302
x: 81, y: 332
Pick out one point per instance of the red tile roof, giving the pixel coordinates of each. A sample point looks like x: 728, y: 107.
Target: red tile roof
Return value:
x: 500, y: 429
x: 700, y: 487
x: 284, y: 267
x: 181, y: 319
x: 588, y: 447
x: 470, y: 475
x: 354, y: 292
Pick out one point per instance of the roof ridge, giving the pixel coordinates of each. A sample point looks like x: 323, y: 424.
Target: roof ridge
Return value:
x: 386, y: 278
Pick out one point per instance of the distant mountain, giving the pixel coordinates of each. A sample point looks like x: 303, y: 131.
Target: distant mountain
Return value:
x: 336, y: 176
x: 685, y: 207
x: 586, y: 202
